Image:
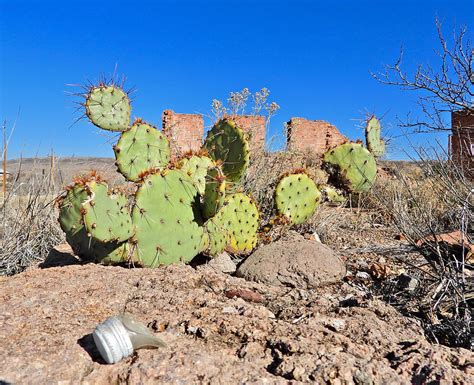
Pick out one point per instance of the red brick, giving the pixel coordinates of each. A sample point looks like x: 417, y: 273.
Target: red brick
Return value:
x: 315, y: 135
x: 185, y: 131
x: 254, y: 126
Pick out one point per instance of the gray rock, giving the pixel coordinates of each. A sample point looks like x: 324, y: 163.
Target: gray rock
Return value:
x: 295, y: 262
x: 223, y: 263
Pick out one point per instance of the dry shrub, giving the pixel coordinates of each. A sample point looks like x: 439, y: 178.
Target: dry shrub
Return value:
x: 29, y: 227
x: 423, y: 201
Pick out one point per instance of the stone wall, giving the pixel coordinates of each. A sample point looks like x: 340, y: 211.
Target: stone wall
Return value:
x: 185, y: 131
x: 461, y: 141
x: 314, y: 135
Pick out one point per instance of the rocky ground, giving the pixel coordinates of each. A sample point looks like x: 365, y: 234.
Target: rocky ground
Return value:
x: 218, y: 328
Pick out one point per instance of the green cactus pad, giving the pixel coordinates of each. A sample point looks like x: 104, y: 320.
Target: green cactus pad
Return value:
x: 333, y: 195
x: 219, y: 235
x: 240, y: 216
x: 214, y: 193
x: 140, y: 149
x: 227, y: 143
x: 108, y: 107
x: 86, y: 247
x: 352, y: 166
x: 106, y: 215
x: 372, y: 137
x: 196, y: 167
x: 166, y: 230
x: 297, y: 197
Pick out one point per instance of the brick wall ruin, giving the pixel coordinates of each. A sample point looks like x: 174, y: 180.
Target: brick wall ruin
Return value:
x: 314, y: 135
x: 185, y: 131
x: 461, y: 140
x: 254, y: 126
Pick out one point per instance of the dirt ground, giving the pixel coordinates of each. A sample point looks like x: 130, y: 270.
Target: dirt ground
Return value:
x: 219, y: 329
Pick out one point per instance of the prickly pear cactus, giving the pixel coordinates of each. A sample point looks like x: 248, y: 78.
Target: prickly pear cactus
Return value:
x: 140, y: 149
x: 219, y: 235
x: 108, y: 107
x: 196, y: 166
x: 333, y: 195
x: 106, y: 215
x: 227, y: 143
x: 71, y: 221
x: 297, y: 197
x: 372, y: 137
x: 240, y: 216
x: 214, y: 192
x: 166, y: 230
x: 352, y: 166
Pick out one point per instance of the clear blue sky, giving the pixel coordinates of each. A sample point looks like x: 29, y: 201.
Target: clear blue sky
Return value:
x: 314, y: 56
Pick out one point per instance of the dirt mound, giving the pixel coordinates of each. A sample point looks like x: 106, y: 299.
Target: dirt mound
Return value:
x: 295, y: 262
x: 329, y: 335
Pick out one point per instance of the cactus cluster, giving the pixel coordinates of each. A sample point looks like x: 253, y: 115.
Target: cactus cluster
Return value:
x: 178, y: 209
x: 191, y: 205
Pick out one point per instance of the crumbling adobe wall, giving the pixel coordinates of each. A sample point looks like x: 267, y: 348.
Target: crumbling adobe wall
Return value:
x: 254, y: 126
x: 314, y: 135
x: 185, y: 131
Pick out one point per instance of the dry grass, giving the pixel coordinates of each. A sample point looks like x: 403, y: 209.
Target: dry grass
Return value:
x: 421, y: 202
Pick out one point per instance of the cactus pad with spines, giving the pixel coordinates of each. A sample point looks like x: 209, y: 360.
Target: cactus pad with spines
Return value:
x: 108, y: 107
x: 140, y: 149
x: 240, y: 215
x: 86, y: 247
x: 227, y: 142
x: 166, y: 229
x: 214, y: 192
x: 297, y: 197
x: 196, y: 166
x: 375, y: 144
x: 106, y: 215
x: 219, y: 235
x: 352, y: 166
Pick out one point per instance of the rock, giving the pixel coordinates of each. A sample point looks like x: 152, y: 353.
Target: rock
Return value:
x: 295, y: 262
x: 47, y: 317
x: 363, y: 275
x: 223, y: 263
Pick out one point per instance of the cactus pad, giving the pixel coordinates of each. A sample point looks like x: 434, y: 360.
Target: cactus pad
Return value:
x: 219, y: 235
x: 214, y: 193
x: 227, y: 142
x: 196, y: 167
x: 297, y: 197
x: 70, y: 219
x: 141, y: 149
x: 352, y: 166
x: 108, y: 107
x: 166, y: 230
x: 240, y: 216
x: 375, y: 144
x: 106, y: 215
x: 333, y: 195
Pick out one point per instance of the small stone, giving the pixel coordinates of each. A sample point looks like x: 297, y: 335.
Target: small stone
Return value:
x: 230, y: 310
x: 363, y: 275
x: 223, y: 263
